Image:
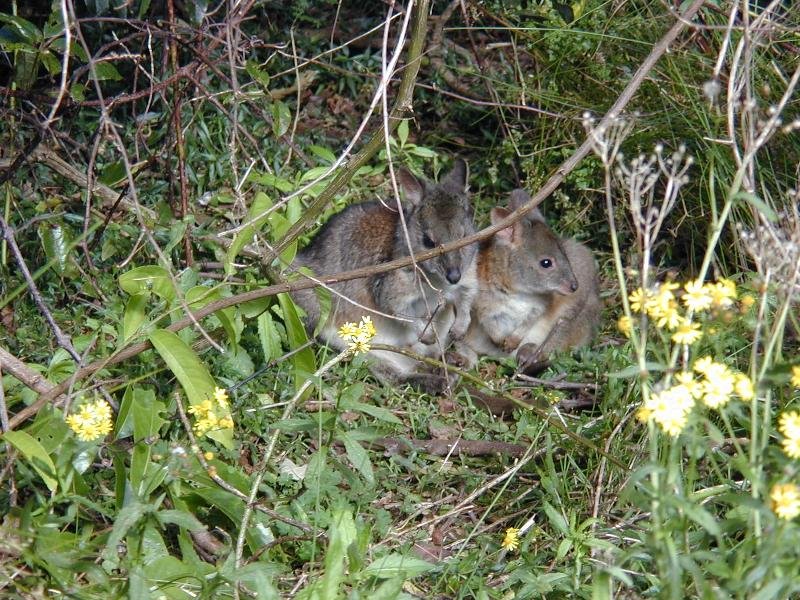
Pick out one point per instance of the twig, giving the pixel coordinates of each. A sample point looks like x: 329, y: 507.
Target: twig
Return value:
x: 446, y: 447
x: 557, y: 385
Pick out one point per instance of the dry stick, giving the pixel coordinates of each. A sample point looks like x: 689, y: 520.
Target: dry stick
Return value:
x: 177, y: 95
x: 548, y: 188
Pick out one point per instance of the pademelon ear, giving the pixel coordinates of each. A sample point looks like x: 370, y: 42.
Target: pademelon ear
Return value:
x: 411, y: 186
x: 458, y: 177
x: 520, y: 197
x: 496, y: 215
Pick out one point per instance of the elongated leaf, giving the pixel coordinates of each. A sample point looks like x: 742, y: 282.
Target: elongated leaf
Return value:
x: 133, y: 317
x: 397, y: 565
x: 303, y: 361
x: 192, y: 375
x: 358, y: 457
x: 269, y: 337
x: 146, y: 280
x: 36, y: 455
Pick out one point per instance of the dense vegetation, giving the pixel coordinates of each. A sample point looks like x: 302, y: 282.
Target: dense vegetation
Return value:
x: 170, y: 430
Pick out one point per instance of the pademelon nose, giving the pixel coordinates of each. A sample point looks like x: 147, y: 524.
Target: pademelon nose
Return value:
x: 454, y: 275
x: 574, y: 286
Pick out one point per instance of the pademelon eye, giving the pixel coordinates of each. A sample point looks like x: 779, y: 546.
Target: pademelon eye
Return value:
x: 427, y: 241
x: 546, y: 263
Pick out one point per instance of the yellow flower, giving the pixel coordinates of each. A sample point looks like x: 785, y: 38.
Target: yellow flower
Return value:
x: 661, y: 305
x: 791, y: 446
x: 208, y: 455
x: 669, y: 317
x: 202, y: 409
x: 221, y: 396
x: 746, y: 302
x: 696, y: 296
x: 643, y: 414
x: 511, y: 539
x: 702, y: 364
x: 743, y: 386
x: 722, y: 293
x: 686, y: 379
x: 670, y: 409
x: 226, y: 423
x: 789, y: 424
x: 358, y: 336
x: 687, y: 332
x: 718, y: 385
x: 785, y: 500
x: 93, y: 421
x: 625, y: 325
x: 796, y: 376
x: 637, y: 299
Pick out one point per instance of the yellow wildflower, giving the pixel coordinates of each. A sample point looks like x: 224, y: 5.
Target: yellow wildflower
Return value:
x: 796, y: 376
x: 668, y: 316
x: 625, y: 325
x: 722, y: 293
x: 791, y: 446
x: 202, y: 409
x: 670, y: 409
x: 746, y: 302
x: 661, y: 305
x: 208, y: 455
x: 358, y: 336
x: 511, y: 539
x: 696, y: 296
x: 226, y: 423
x: 637, y: 299
x: 687, y: 332
x: 93, y: 421
x: 718, y: 384
x: 686, y: 379
x: 743, y: 386
x: 702, y: 364
x: 221, y: 396
x: 785, y: 500
x: 644, y: 413
x: 789, y: 424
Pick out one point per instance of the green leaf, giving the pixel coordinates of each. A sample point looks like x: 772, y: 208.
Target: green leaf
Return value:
x: 397, y: 565
x: 127, y: 517
x: 180, y: 518
x: 281, y: 118
x: 261, y: 204
x: 113, y: 174
x: 269, y: 337
x: 105, y: 71
x: 322, y: 153
x: 402, y: 132
x: 56, y: 246
x: 358, y: 457
x: 557, y: 520
x: 36, y: 455
x: 259, y: 75
x: 303, y: 361
x: 26, y: 30
x: 192, y: 375
x: 146, y: 280
x: 134, y: 315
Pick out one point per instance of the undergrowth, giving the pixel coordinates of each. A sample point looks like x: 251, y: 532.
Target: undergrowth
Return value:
x: 230, y: 455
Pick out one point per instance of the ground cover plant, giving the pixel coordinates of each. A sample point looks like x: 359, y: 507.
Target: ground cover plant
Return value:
x: 171, y: 430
